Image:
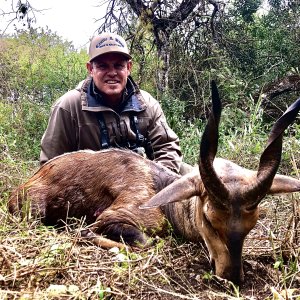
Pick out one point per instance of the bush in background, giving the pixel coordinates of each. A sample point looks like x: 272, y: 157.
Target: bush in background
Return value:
x: 39, y: 65
x: 22, y: 125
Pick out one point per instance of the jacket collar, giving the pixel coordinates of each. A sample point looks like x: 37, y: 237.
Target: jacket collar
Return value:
x: 92, y: 100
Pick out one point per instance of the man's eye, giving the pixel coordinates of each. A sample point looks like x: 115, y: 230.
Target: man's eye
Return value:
x: 119, y: 66
x: 100, y: 66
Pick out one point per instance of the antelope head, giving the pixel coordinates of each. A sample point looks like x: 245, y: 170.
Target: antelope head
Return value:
x: 228, y: 195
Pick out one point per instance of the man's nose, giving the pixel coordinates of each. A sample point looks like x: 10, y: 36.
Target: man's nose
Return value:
x: 112, y: 70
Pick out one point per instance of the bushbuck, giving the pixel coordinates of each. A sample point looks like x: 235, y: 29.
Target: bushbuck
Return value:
x: 126, y: 197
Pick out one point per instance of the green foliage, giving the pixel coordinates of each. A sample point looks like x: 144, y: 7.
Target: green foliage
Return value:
x: 36, y: 68
x: 248, y: 50
x: 21, y: 128
x: 265, y: 48
x: 187, y: 131
x: 174, y: 110
x: 247, y: 8
x: 39, y: 65
x: 190, y: 79
x: 145, y: 62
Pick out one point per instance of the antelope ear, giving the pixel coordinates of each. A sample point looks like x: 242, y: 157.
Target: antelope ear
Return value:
x: 284, y: 184
x: 181, y: 189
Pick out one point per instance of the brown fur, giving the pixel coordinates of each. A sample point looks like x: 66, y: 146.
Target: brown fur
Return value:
x: 104, y: 187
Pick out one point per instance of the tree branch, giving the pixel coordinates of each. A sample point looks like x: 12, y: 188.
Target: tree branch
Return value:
x: 213, y: 15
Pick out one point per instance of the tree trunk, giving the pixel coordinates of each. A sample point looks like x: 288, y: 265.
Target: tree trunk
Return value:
x: 163, y: 53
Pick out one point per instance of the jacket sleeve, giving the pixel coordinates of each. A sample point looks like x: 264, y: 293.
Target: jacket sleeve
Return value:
x: 60, y: 135
x: 164, y: 140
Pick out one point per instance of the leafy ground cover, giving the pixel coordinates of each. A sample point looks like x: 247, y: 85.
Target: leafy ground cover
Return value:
x: 39, y: 263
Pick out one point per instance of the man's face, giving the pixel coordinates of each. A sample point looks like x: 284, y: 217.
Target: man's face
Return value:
x: 110, y: 72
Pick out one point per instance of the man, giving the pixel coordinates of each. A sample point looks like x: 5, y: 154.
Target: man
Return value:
x: 108, y: 110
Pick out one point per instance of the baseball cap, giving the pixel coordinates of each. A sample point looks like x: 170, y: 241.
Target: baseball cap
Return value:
x: 106, y: 43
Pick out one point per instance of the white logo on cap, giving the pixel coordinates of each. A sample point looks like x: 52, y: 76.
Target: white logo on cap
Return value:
x: 108, y: 43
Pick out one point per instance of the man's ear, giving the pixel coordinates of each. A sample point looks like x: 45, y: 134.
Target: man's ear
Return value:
x: 129, y: 65
x: 89, y: 67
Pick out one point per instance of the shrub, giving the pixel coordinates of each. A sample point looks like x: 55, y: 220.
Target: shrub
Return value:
x: 39, y: 65
x: 21, y: 128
